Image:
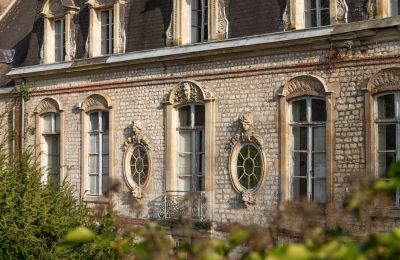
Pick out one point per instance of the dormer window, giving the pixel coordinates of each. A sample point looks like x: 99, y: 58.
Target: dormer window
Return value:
x: 59, y: 39
x: 199, y: 21
x: 316, y: 13
x: 106, y: 33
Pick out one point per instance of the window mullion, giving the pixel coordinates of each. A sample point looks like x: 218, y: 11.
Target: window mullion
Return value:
x: 100, y: 153
x: 309, y: 163
x: 193, y: 147
x: 318, y: 11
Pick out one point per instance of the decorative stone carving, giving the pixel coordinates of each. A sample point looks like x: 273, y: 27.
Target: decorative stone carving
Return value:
x: 386, y: 79
x: 222, y: 22
x: 341, y: 11
x: 189, y: 92
x: 47, y: 105
x: 95, y: 102
x: 246, y: 160
x: 288, y: 17
x: 303, y: 85
x: 371, y: 8
x: 137, y: 160
x: 169, y: 37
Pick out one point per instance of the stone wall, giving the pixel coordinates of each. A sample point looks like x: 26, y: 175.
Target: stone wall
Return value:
x: 245, y: 84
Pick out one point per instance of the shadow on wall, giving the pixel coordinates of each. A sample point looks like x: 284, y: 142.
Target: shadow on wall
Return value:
x: 165, y: 7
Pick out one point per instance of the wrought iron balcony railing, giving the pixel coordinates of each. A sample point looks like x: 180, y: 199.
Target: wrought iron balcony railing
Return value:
x: 178, y: 204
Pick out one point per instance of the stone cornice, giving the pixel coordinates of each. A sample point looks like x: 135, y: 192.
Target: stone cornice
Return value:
x: 273, y: 41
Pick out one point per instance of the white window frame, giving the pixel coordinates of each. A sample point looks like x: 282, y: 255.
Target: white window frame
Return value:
x: 204, y: 21
x: 396, y: 121
x: 318, y: 10
x: 62, y: 37
x: 44, y: 146
x: 195, y: 131
x: 110, y: 37
x: 310, y: 125
x: 100, y: 132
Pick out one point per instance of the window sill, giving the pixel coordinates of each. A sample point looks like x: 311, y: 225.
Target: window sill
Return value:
x: 386, y: 213
x: 96, y: 199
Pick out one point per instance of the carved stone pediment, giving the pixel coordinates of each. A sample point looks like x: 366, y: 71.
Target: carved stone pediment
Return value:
x: 47, y: 105
x: 189, y: 92
x: 303, y: 86
x: 102, y: 3
x: 94, y: 102
x: 55, y: 8
x: 386, y: 79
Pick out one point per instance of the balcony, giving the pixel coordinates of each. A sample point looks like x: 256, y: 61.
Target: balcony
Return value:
x: 178, y: 204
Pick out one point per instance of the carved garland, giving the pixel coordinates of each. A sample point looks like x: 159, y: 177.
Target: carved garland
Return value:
x: 47, y: 105
x: 142, y: 164
x: 303, y: 85
x: 386, y: 79
x: 95, y: 101
x: 245, y: 135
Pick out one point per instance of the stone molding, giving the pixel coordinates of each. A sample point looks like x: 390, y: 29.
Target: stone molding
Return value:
x: 303, y: 85
x: 96, y: 102
x: 48, y: 105
x: 137, y: 138
x: 385, y: 80
x: 246, y: 134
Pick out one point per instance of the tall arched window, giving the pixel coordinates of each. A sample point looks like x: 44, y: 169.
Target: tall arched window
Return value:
x: 96, y: 145
x: 306, y: 140
x: 49, y: 139
x: 308, y: 149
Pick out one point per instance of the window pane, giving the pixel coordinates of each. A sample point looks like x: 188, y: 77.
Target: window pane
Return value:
x: 184, y: 116
x: 314, y: 21
x: 313, y: 4
x: 324, y: 4
x: 199, y: 116
x: 318, y: 110
x: 299, y: 188
x: 184, y: 183
x: 47, y: 123
x: 104, y: 184
x: 93, y: 163
x: 52, y: 144
x: 386, y: 107
x: 200, y: 141
x: 300, y: 164
x: 319, y: 190
x: 105, y: 140
x: 105, y: 121
x: 57, y: 122
x: 184, y: 164
x: 94, y: 144
x: 387, y: 137
x: 94, y: 121
x: 325, y: 18
x: 384, y: 162
x: 319, y: 138
x: 104, y: 167
x: 94, y: 184
x: 184, y: 142
x: 299, y: 111
x: 300, y: 138
x: 319, y: 165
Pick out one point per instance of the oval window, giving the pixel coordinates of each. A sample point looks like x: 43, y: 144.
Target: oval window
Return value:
x: 249, y: 166
x: 137, y: 166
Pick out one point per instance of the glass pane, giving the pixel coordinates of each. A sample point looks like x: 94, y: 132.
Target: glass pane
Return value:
x: 105, y: 140
x: 318, y: 110
x: 104, y: 184
x: 200, y: 141
x: 94, y: 143
x: 313, y: 4
x: 384, y: 162
x: 314, y: 21
x: 52, y: 144
x: 199, y: 116
x: 185, y: 142
x: 57, y: 122
x: 195, y: 19
x: 104, y: 167
x: 319, y: 190
x: 200, y: 163
x: 324, y: 4
x: 319, y: 165
x: 387, y: 137
x: 300, y: 164
x: 93, y: 163
x: 184, y: 116
x: 319, y: 139
x: 299, y: 188
x: 47, y: 123
x: 184, y: 183
x: 94, y: 184
x: 184, y: 164
x: 53, y: 162
x: 386, y: 107
x: 325, y: 18
x: 94, y: 121
x: 105, y: 121
x: 299, y: 111
x: 300, y: 138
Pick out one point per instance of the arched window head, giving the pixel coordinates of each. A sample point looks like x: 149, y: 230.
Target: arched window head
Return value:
x: 188, y: 92
x: 59, y: 31
x: 49, y: 138
x: 247, y: 161
x: 96, y: 102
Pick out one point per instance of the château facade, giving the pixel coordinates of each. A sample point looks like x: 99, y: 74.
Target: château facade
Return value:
x: 244, y: 105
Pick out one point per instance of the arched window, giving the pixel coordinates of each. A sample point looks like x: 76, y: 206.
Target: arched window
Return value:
x: 306, y: 140
x: 49, y: 139
x: 97, y: 144
x: 382, y: 114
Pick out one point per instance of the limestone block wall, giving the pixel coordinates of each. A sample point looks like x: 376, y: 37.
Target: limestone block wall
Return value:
x: 245, y: 84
